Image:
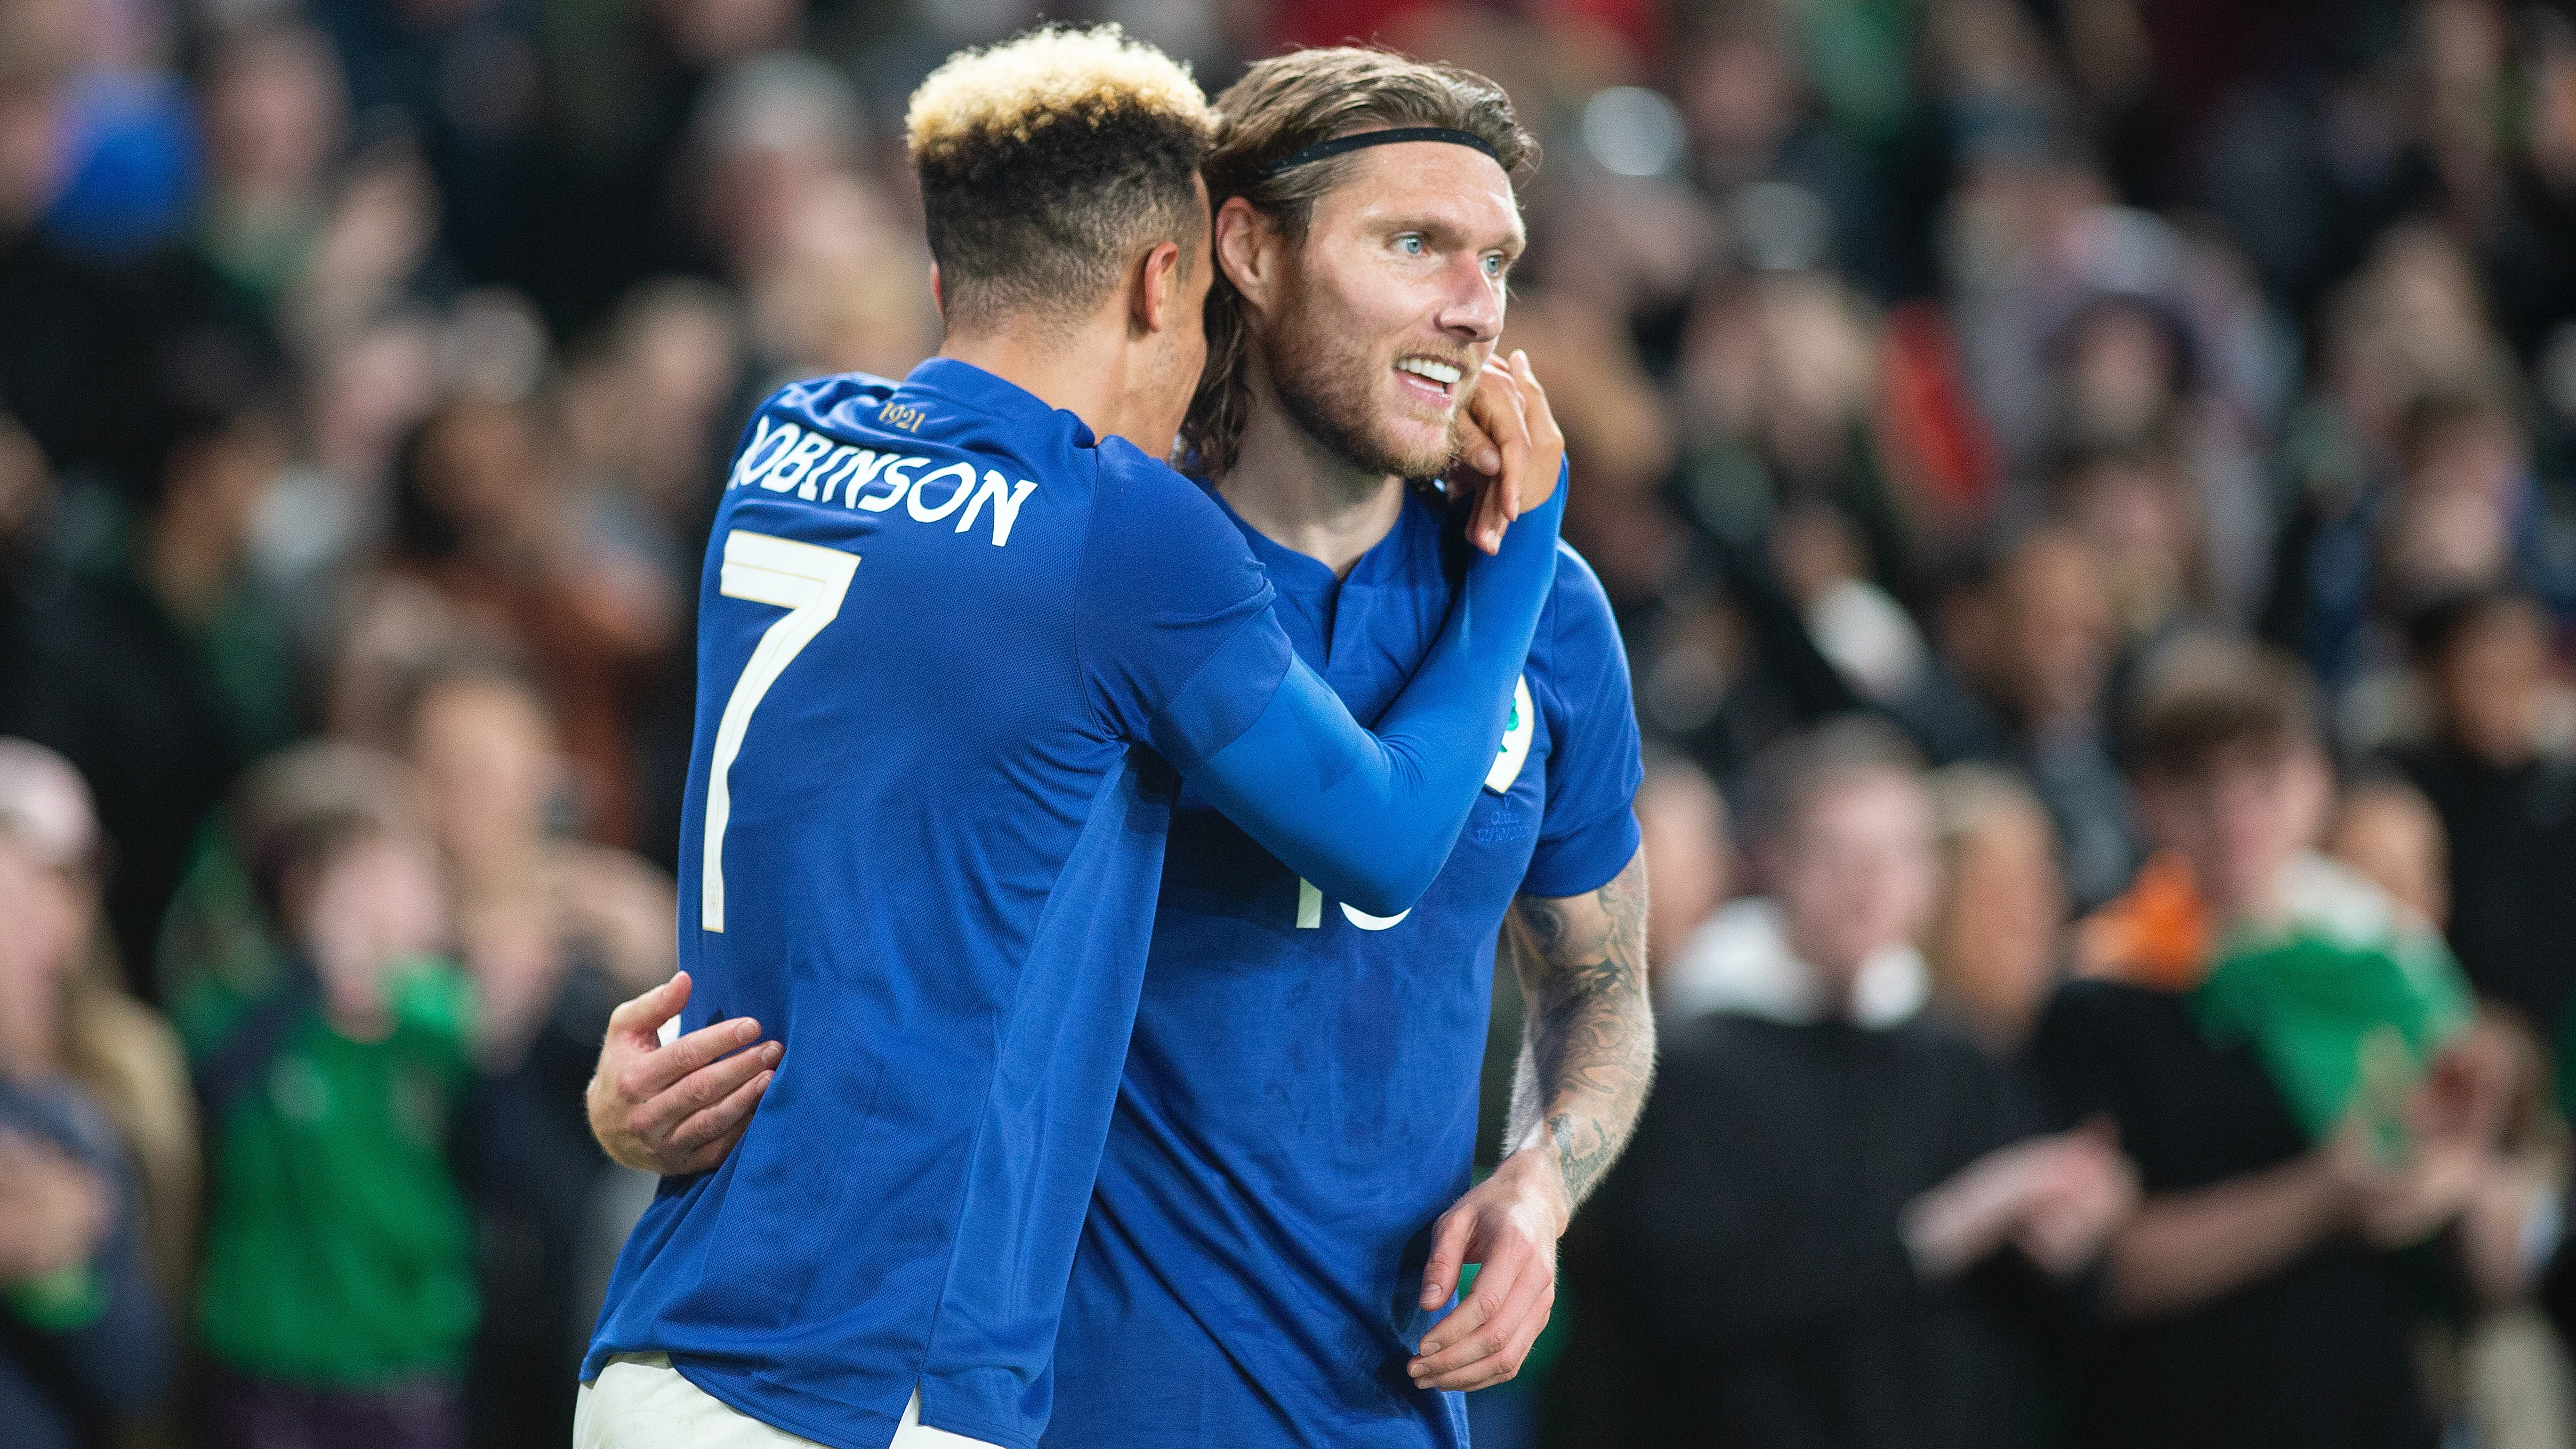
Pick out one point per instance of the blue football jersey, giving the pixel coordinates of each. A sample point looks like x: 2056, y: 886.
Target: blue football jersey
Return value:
x: 919, y: 847
x: 1301, y: 1091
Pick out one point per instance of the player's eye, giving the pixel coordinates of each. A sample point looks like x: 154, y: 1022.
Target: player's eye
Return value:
x: 1494, y: 264
x: 1410, y: 244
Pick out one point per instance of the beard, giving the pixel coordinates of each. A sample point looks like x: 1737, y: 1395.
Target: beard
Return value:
x: 1330, y: 385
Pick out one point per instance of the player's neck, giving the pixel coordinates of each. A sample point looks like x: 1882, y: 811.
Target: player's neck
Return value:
x: 1090, y: 373
x: 1302, y: 496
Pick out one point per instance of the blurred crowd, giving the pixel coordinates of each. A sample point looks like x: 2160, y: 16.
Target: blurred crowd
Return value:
x: 2089, y: 489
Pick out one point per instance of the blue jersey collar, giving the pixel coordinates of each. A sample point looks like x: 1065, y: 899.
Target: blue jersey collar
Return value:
x: 1383, y: 560
x: 989, y: 393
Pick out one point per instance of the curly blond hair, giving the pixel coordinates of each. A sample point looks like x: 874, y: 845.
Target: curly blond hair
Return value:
x: 1048, y: 163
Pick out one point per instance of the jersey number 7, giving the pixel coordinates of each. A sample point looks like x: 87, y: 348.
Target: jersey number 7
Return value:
x: 809, y: 582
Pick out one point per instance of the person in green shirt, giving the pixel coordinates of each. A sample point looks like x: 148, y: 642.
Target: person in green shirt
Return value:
x: 2293, y: 1064
x: 338, y: 1296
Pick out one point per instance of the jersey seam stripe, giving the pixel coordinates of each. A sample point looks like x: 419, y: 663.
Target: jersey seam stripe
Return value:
x: 1588, y: 822
x: 1583, y: 890
x: 1269, y: 598
x: 984, y: 1116
x: 1100, y: 716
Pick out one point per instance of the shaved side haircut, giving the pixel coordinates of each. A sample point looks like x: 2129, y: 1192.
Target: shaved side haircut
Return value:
x: 1048, y: 164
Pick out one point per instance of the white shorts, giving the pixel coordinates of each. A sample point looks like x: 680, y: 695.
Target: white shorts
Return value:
x: 640, y: 1402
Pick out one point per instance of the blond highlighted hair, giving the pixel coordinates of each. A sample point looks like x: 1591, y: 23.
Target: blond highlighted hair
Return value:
x: 1049, y: 163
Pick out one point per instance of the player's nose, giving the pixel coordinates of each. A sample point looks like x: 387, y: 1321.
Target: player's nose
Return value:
x: 1471, y: 308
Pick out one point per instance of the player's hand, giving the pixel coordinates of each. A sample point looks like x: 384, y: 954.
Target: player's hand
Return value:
x: 676, y: 1109
x: 1509, y: 446
x: 1508, y: 1225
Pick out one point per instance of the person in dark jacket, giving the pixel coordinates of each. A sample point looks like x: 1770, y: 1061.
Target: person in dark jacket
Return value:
x: 1839, y: 1219
x: 2508, y: 809
x: 2032, y: 644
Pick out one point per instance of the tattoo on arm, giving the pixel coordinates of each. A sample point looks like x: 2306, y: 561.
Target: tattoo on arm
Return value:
x: 1588, y: 1043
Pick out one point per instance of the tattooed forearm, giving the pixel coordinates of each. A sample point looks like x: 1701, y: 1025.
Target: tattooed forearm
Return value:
x: 1588, y: 1045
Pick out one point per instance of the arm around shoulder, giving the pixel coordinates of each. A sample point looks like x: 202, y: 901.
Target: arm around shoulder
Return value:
x: 1370, y: 816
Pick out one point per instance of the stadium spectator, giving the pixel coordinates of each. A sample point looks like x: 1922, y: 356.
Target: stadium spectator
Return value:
x: 1997, y: 937
x: 2465, y: 513
x: 2387, y: 833
x: 2131, y: 501
x: 74, y: 331
x: 620, y: 137
x: 1789, y: 182
x: 156, y: 663
x: 2410, y: 323
x: 648, y: 418
x: 648, y: 421
x: 2507, y: 803
x: 1838, y: 1220
x: 2029, y: 650
x: 794, y: 222
x: 553, y: 934
x: 86, y: 1339
x: 274, y: 115
x: 460, y: 81
x: 2287, y: 1061
x: 122, y: 1052
x: 338, y: 1297
x: 2504, y: 1369
x: 479, y: 516
x: 1690, y: 854
x: 1776, y: 387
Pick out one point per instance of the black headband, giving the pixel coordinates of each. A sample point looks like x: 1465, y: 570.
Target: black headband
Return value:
x: 1340, y: 145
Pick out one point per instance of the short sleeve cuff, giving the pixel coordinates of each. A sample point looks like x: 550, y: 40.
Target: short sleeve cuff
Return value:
x: 1584, y: 859
x: 1229, y: 691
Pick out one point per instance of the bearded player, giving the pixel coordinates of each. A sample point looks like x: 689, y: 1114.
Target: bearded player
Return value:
x: 1284, y: 1208
x: 961, y: 643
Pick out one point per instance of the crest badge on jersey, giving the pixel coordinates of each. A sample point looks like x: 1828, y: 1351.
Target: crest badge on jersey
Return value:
x: 1518, y: 731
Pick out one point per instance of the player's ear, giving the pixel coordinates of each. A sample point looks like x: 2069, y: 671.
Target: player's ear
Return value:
x: 1248, y: 251
x: 1156, y: 304
x: 938, y: 298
